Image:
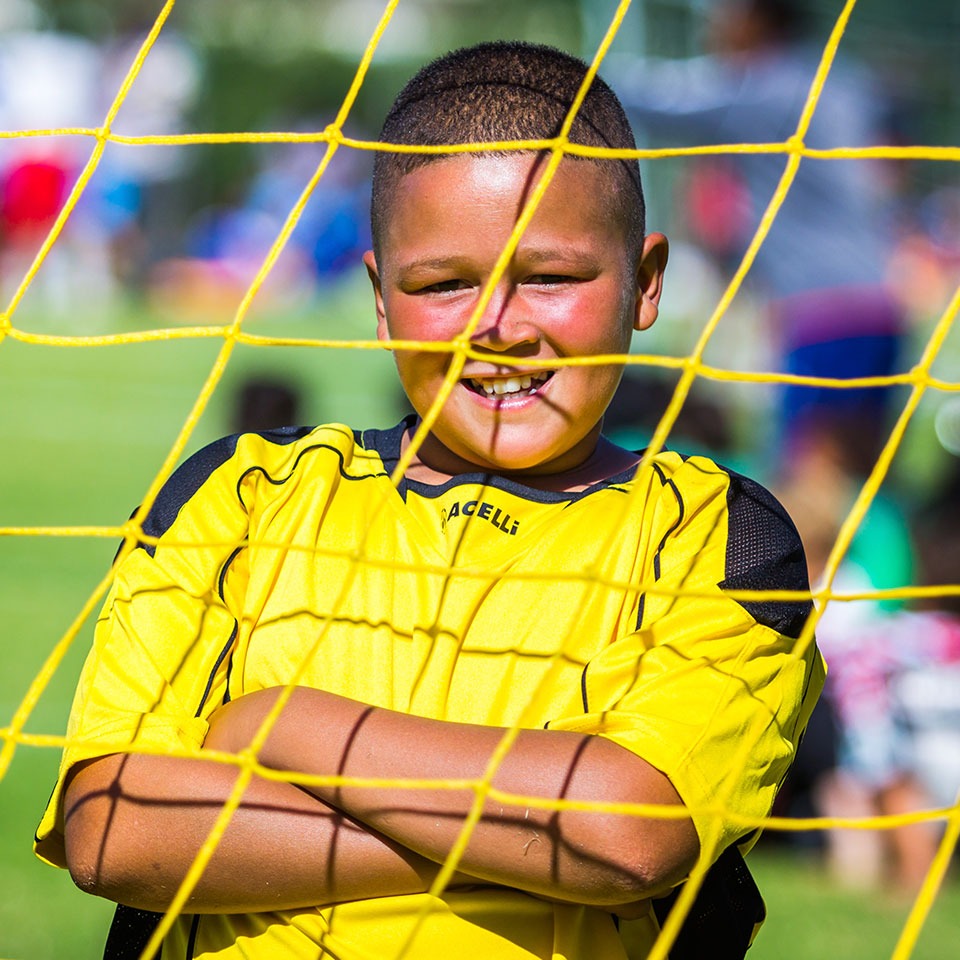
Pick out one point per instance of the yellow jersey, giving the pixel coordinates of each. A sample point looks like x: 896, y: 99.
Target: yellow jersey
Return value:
x: 290, y: 556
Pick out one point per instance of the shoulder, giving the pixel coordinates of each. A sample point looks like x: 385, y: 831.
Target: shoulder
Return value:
x: 764, y: 552
x: 213, y: 478
x: 749, y: 504
x: 762, y: 547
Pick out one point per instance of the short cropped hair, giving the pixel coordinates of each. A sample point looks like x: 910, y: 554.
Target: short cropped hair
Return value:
x: 500, y: 91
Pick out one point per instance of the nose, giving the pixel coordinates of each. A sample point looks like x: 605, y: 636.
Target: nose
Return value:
x: 506, y: 326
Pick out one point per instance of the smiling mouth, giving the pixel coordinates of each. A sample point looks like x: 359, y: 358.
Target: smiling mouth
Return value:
x: 521, y: 385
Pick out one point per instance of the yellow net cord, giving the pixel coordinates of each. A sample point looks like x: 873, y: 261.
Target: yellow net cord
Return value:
x: 919, y: 380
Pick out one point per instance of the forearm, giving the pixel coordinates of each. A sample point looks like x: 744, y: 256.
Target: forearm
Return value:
x: 134, y: 825
x: 583, y: 856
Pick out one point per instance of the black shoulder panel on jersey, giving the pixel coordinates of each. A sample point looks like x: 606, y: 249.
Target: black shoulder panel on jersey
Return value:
x: 190, y: 476
x: 764, y: 552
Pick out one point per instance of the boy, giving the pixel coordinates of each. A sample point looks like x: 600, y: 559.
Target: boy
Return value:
x: 523, y: 574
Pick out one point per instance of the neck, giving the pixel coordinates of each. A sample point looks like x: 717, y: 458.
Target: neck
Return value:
x: 433, y: 464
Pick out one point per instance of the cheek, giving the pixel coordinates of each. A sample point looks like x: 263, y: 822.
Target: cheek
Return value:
x: 409, y: 318
x: 595, y: 325
x: 421, y: 372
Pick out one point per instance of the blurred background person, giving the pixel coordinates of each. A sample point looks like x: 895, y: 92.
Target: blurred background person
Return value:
x: 874, y: 647
x: 823, y: 267
x: 141, y: 188
x: 48, y: 80
x: 929, y: 697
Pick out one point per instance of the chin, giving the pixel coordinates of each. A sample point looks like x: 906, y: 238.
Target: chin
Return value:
x: 510, y: 460
x: 523, y: 460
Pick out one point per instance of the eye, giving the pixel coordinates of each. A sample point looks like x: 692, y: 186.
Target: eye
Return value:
x: 443, y: 286
x: 551, y: 279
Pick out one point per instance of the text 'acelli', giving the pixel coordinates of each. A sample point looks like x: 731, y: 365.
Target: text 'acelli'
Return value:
x: 482, y: 510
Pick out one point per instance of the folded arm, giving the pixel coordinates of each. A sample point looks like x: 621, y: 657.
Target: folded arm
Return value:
x: 580, y: 856
x: 134, y: 824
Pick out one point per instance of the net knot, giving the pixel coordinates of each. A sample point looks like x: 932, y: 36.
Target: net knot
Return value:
x: 332, y: 133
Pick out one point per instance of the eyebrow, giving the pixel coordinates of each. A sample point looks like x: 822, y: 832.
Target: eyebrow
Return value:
x: 532, y: 256
x: 431, y: 263
x: 540, y: 255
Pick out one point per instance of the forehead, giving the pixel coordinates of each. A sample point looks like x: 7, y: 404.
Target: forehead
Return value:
x: 478, y: 198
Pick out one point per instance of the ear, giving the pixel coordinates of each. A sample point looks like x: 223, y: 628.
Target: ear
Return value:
x: 650, y: 269
x: 370, y: 262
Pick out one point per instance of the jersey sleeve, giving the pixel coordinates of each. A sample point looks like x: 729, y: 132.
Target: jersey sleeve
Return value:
x: 712, y: 690
x: 157, y: 667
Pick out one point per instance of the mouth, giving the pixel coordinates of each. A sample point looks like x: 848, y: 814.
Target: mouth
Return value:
x: 519, y: 385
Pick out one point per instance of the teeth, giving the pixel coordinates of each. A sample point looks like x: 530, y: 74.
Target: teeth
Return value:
x: 510, y: 385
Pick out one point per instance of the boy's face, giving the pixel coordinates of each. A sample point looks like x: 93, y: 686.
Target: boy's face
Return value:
x: 572, y: 289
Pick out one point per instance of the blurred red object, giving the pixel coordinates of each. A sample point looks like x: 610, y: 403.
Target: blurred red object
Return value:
x: 33, y: 192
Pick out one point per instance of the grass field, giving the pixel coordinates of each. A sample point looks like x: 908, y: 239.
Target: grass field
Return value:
x: 84, y: 431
